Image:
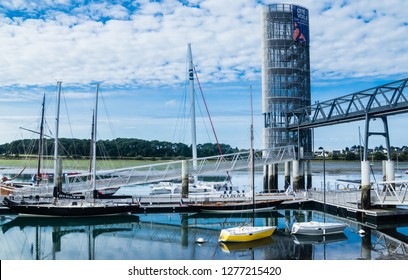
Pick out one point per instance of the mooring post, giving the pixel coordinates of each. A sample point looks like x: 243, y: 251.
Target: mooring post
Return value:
x: 287, y: 174
x: 265, y: 179
x: 301, y: 184
x: 365, y: 185
x: 309, y: 175
x: 184, y: 179
x: 390, y: 170
x: 296, y: 176
x: 273, y: 178
x: 384, y: 170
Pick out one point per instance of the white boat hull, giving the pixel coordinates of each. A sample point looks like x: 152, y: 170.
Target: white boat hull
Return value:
x: 317, y: 228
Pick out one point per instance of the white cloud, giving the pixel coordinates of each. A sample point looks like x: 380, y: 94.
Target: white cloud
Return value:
x: 143, y: 45
x: 146, y: 46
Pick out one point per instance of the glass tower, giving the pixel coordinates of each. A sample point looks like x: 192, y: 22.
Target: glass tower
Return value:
x: 285, y: 73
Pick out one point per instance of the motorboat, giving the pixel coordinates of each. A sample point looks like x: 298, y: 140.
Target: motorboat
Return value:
x: 317, y: 228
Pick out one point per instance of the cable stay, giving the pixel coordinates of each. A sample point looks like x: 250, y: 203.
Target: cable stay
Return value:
x: 211, y: 122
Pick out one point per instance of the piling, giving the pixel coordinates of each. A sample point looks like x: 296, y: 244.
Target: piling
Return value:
x: 265, y: 179
x: 384, y: 170
x: 309, y: 175
x: 273, y: 178
x: 296, y: 175
x: 287, y: 174
x: 365, y: 185
x: 390, y: 170
x: 301, y: 175
x: 184, y: 179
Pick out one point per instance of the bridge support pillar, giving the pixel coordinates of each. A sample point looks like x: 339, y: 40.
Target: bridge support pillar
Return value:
x: 309, y: 175
x: 390, y: 170
x: 184, y: 179
x: 287, y: 175
x: 273, y: 178
x: 384, y: 170
x: 365, y: 185
x: 301, y: 175
x: 296, y: 174
x: 265, y: 179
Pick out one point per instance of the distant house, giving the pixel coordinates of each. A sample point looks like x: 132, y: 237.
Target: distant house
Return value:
x: 319, y: 153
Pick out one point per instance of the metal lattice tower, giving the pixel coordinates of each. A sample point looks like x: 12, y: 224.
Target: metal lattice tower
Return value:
x: 285, y: 73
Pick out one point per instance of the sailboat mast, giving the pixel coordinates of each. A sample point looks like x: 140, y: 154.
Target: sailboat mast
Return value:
x: 56, y: 161
x: 95, y: 118
x: 91, y: 147
x: 251, y: 154
x: 192, y: 107
x: 40, y: 144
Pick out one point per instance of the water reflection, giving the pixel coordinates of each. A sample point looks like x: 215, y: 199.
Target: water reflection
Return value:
x: 173, y: 236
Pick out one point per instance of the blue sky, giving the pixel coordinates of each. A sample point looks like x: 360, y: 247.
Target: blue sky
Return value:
x: 136, y: 51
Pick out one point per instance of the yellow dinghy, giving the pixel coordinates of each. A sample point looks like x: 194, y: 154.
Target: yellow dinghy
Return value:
x: 245, y: 233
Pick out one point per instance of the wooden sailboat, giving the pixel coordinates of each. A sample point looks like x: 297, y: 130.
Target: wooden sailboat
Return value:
x: 67, y: 205
x: 319, y: 228
x: 248, y: 233
x: 8, y: 185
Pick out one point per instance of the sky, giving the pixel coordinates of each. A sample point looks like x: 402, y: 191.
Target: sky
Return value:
x: 137, y: 52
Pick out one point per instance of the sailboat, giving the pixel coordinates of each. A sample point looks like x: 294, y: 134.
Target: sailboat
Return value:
x: 248, y: 233
x: 195, y: 187
x: 68, y: 205
x: 8, y: 185
x: 319, y: 228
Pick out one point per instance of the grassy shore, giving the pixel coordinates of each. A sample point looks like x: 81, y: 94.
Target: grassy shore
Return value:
x: 78, y: 164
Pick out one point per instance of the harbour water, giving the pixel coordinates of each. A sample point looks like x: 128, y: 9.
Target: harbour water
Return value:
x: 173, y: 236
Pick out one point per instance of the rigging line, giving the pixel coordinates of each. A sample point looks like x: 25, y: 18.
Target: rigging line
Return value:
x: 212, y: 125
x: 204, y: 123
x: 72, y: 134
x: 181, y: 115
x: 111, y: 127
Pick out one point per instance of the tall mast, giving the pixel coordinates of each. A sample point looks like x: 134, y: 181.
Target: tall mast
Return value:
x: 91, y: 147
x: 56, y: 161
x: 192, y: 106
x: 95, y: 121
x: 40, y: 144
x: 252, y: 159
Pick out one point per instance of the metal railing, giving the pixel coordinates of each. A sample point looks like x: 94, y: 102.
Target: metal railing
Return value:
x: 382, y: 193
x: 391, y: 192
x: 172, y: 170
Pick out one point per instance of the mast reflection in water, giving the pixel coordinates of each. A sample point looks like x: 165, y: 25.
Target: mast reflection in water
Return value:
x: 173, y: 237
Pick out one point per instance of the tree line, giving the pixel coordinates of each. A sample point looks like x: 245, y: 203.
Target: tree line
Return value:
x: 378, y: 153
x: 116, y: 148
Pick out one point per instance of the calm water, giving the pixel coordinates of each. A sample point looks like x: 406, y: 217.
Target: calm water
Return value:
x: 173, y: 237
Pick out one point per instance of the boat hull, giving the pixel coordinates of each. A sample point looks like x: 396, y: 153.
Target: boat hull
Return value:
x: 235, y: 207
x: 69, y: 209
x: 317, y: 228
x: 245, y: 234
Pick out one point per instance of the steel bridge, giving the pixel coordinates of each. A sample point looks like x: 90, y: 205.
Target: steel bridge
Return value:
x: 388, y: 99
